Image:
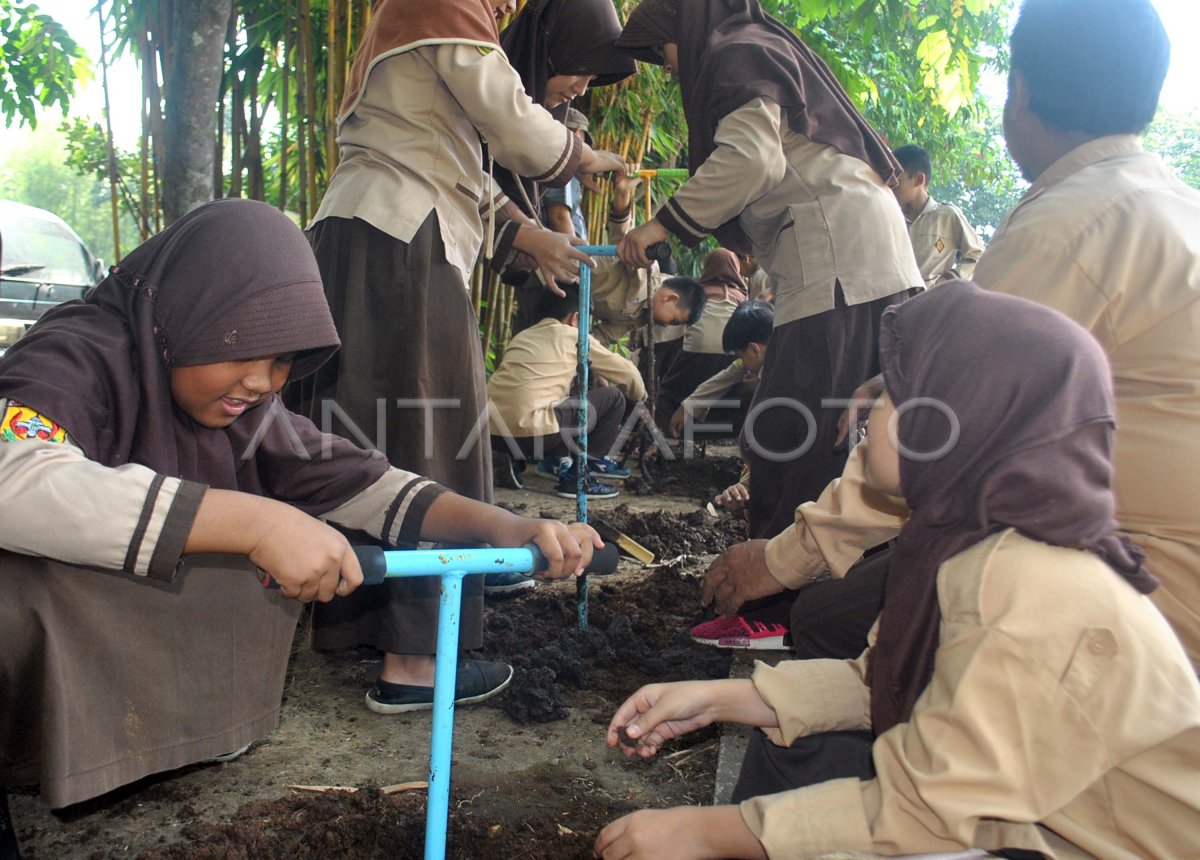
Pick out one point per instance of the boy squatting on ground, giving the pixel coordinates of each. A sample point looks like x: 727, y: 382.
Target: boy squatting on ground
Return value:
x: 943, y: 240
x: 701, y: 353
x: 722, y: 400
x: 529, y: 412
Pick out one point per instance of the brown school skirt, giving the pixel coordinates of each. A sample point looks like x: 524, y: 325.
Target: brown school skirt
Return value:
x: 810, y: 359
x: 107, y: 678
x: 408, y: 331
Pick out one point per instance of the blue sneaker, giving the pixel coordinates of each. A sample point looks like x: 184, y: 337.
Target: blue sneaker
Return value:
x: 553, y: 468
x: 606, y: 467
x: 592, y: 488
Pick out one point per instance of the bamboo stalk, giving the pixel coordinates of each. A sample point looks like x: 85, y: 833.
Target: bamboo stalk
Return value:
x: 108, y: 140
x: 284, y: 105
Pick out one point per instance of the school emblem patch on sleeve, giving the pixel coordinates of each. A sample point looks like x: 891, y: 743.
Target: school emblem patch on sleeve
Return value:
x: 21, y: 423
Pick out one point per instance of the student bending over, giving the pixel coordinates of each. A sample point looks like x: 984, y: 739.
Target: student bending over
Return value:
x: 1020, y: 691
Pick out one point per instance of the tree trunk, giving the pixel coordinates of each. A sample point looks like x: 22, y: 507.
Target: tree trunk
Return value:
x: 197, y: 48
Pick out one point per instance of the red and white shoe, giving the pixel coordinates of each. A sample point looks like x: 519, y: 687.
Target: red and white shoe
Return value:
x: 738, y: 632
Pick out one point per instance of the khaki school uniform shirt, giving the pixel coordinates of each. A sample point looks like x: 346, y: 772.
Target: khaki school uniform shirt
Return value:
x: 944, y: 242
x: 536, y: 374
x: 1110, y: 237
x: 412, y: 145
x: 716, y: 387
x: 815, y: 217
x: 1076, y: 736
x: 619, y: 295
x: 129, y: 518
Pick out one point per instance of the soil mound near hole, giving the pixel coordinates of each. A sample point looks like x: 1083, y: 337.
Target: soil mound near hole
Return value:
x: 638, y: 634
x: 670, y: 535
x: 369, y: 824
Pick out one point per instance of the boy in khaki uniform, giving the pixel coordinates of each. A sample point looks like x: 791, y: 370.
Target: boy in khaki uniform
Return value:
x: 529, y: 410
x: 945, y: 243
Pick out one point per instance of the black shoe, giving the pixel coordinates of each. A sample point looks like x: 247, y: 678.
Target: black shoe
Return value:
x: 507, y: 471
x: 506, y: 584
x: 476, y: 681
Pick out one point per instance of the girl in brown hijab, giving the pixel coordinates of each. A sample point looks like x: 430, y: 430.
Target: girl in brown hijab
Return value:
x: 142, y: 428
x: 1020, y: 691
x: 560, y: 48
x: 397, y: 236
x: 785, y: 168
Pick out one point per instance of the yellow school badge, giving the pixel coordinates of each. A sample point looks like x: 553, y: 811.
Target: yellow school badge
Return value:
x: 941, y: 246
x: 21, y: 423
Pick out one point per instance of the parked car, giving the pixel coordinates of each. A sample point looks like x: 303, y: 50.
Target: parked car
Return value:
x: 43, y: 262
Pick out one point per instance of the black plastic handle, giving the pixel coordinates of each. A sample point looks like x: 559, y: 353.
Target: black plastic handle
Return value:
x: 659, y: 251
x: 604, y: 560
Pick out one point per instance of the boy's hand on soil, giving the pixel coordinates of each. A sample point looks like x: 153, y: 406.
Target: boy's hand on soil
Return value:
x: 733, y: 498
x: 680, y: 833
x: 658, y: 713
x: 737, y: 575
x: 632, y: 249
x: 675, y: 427
x: 554, y: 254
x: 309, y: 560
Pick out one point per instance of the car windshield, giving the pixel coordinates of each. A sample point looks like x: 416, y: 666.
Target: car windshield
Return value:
x: 36, y: 250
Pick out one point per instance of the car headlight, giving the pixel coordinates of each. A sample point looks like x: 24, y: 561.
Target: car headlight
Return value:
x: 10, y: 332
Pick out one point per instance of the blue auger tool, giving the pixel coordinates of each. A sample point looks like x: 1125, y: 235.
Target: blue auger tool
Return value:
x: 451, y: 565
x: 659, y: 251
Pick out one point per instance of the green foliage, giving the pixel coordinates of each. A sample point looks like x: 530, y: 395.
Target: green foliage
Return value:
x: 87, y: 155
x: 1176, y: 137
x: 913, y: 67
x: 36, y: 172
x: 39, y: 63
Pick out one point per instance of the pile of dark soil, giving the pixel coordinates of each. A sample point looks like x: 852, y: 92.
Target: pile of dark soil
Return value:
x: 637, y: 634
x: 370, y: 824
x: 698, y: 478
x: 552, y: 810
x: 670, y: 535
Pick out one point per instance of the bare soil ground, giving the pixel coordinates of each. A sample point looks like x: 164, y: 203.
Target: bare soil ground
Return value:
x: 531, y: 775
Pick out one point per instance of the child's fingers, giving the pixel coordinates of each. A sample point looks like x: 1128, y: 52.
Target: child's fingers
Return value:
x: 553, y: 552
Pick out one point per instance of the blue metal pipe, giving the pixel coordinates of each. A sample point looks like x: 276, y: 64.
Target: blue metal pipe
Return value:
x: 581, y: 373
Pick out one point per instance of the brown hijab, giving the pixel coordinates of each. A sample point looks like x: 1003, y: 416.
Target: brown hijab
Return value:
x: 722, y: 278
x: 1030, y: 448
x: 400, y: 25
x: 560, y: 37
x: 730, y: 53
x: 231, y: 280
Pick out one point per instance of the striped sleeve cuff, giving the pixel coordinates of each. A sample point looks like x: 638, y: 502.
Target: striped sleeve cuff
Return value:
x: 504, y: 254
x: 163, y: 528
x: 406, y: 513
x: 683, y: 226
x: 566, y: 166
